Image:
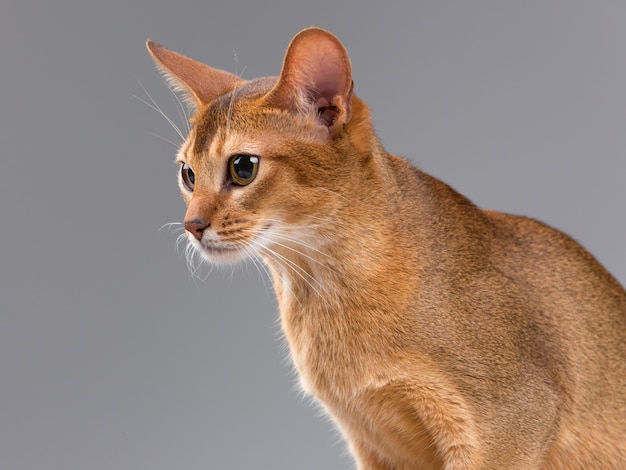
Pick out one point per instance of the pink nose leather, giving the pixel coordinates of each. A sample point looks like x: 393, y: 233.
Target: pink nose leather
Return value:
x: 196, y: 227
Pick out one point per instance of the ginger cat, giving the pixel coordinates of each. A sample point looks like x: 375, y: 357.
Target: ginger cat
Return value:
x: 437, y: 335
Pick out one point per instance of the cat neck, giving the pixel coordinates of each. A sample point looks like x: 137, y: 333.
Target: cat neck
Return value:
x: 336, y: 270
x: 330, y: 285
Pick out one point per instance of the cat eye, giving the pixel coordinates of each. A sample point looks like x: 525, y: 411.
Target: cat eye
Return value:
x: 243, y: 168
x: 187, y: 176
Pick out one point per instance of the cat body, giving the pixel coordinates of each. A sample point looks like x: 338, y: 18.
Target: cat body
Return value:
x: 436, y: 334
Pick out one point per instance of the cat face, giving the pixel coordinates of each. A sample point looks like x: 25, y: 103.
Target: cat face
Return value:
x: 255, y: 177
x: 262, y: 169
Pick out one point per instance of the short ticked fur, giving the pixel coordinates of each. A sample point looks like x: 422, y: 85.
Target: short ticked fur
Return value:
x: 437, y: 335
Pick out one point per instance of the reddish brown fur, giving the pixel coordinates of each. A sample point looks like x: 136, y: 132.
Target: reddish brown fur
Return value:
x: 437, y: 335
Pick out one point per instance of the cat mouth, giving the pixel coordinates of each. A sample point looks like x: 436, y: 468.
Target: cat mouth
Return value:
x: 237, y: 248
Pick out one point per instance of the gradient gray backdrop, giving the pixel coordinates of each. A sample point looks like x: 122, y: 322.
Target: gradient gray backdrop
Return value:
x: 111, y: 355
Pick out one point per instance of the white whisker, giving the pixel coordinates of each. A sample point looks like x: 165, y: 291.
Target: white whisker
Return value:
x: 181, y: 239
x: 170, y: 225
x: 182, y: 111
x: 270, y: 254
x: 174, y: 144
x: 153, y: 105
x: 294, y: 235
x: 301, y: 253
x: 309, y: 279
x: 279, y: 234
x: 302, y: 243
x: 162, y: 113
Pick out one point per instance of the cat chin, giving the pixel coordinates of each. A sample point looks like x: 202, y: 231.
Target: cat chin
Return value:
x: 220, y: 255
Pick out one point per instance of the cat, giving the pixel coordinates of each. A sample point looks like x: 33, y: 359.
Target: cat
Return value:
x: 436, y: 334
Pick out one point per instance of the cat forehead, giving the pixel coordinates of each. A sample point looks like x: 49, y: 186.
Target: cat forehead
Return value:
x: 255, y: 87
x: 246, y: 93
x: 239, y: 118
x: 232, y: 110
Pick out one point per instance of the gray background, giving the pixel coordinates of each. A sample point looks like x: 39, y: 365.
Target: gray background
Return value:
x: 111, y: 355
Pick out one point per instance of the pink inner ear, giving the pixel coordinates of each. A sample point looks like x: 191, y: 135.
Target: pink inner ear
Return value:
x: 317, y: 67
x: 330, y: 78
x: 329, y: 91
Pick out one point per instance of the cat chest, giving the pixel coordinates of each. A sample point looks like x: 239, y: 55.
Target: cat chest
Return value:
x: 329, y: 368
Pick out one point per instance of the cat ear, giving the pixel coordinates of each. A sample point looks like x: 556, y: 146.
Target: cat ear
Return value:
x: 316, y: 76
x: 200, y: 83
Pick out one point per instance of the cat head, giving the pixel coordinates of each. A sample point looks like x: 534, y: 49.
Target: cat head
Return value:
x: 267, y: 161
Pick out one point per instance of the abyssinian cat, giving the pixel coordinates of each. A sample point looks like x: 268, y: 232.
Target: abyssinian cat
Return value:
x: 436, y: 334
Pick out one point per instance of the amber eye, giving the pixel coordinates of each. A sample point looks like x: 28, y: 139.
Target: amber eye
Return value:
x: 243, y: 168
x: 187, y: 176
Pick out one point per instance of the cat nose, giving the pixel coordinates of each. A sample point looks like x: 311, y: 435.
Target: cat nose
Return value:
x: 196, y: 227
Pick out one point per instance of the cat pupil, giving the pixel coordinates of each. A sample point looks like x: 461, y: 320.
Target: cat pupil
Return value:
x: 243, y: 168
